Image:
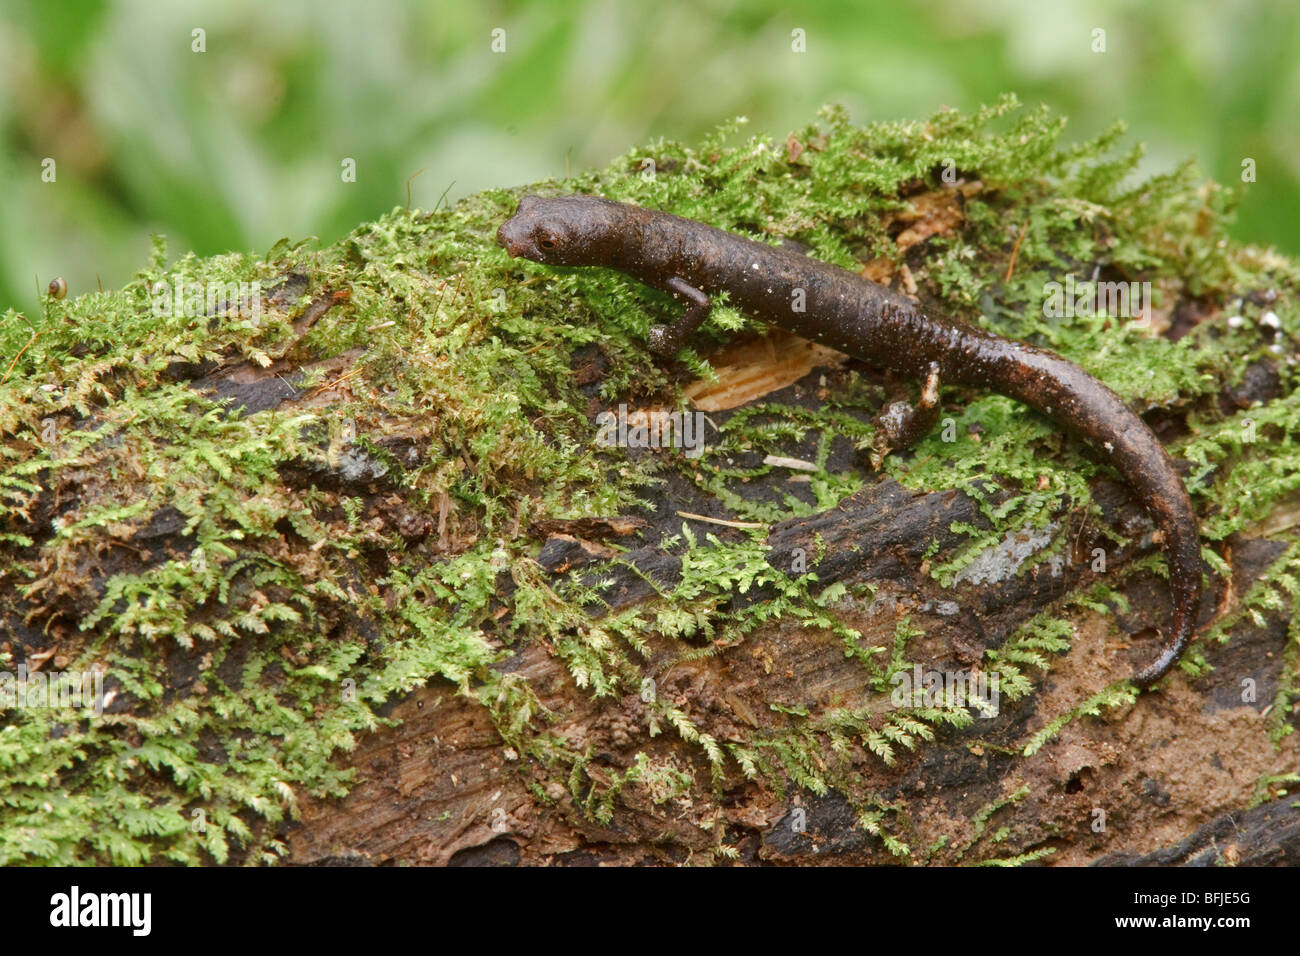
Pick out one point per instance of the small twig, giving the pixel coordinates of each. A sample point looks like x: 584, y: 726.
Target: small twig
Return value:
x: 459, y: 279
x: 542, y: 345
x: 408, y: 187
x: 293, y: 392
x: 437, y: 308
x: 722, y: 521
x: 337, y: 382
x: 1014, y: 250
x: 444, y: 195
x: 444, y: 506
x: 35, y: 335
x: 797, y: 464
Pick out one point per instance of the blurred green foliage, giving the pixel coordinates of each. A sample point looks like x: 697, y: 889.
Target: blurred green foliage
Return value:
x: 236, y: 146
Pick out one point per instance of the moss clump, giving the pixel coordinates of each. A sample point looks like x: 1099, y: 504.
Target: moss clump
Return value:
x: 256, y: 587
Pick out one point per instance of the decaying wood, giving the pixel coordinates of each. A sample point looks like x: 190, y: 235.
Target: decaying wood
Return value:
x: 1169, y: 778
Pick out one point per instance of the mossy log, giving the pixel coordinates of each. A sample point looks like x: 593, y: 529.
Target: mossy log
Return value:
x: 333, y: 534
x: 1156, y: 783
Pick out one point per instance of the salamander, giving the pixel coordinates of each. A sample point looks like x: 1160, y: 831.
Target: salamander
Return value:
x: 693, y: 261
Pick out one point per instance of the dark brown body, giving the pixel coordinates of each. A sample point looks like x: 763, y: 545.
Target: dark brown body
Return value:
x: 861, y: 318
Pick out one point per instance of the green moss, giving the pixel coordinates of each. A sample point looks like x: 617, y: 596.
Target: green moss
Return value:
x: 254, y: 641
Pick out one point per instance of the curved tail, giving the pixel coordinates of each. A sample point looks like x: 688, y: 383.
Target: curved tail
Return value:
x: 1072, y: 397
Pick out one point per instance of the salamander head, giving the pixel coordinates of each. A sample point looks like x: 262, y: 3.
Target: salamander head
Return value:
x: 568, y: 230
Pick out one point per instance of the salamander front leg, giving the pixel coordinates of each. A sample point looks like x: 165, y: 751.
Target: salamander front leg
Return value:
x: 667, y: 339
x: 901, y: 424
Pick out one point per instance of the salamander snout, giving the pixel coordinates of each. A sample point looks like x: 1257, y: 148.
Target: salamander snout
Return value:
x: 525, y: 234
x: 512, y: 243
x: 525, y: 239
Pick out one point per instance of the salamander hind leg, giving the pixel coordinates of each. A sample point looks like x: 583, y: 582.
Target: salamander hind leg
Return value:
x: 901, y: 424
x: 667, y: 339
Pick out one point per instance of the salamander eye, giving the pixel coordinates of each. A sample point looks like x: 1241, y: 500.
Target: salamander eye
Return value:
x: 547, y: 241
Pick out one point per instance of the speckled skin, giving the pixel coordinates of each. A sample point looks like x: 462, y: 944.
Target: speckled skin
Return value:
x: 691, y: 261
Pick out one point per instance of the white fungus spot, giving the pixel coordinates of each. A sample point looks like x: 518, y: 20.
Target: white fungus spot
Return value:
x: 1002, y: 560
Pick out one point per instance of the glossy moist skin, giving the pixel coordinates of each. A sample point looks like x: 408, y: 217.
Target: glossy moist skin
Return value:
x: 693, y: 261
